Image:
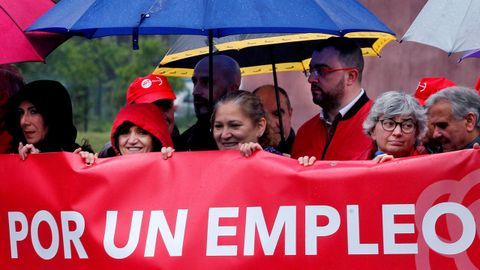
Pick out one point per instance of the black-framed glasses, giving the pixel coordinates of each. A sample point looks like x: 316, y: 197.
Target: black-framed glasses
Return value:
x: 407, y: 126
x: 323, y: 71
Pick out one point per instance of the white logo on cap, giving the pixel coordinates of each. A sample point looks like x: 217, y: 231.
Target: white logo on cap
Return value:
x: 159, y: 80
x: 146, y: 83
x: 422, y: 87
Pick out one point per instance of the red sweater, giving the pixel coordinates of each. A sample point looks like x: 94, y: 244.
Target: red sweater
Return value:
x: 348, y: 141
x: 5, y: 142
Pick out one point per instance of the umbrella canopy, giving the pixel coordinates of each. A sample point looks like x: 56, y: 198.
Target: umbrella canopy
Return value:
x: 255, y: 53
x: 98, y: 18
x: 451, y: 25
x: 16, y: 46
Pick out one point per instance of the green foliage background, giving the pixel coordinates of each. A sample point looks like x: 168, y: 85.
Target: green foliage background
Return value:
x: 97, y: 74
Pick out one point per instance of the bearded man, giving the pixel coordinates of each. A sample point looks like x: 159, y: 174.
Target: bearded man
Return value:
x: 336, y: 133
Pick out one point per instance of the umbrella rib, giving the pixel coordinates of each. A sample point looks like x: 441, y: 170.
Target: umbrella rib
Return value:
x: 11, y: 18
x: 205, y: 16
x: 18, y: 26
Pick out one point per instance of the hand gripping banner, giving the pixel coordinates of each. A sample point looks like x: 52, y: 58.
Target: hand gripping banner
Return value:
x: 218, y: 210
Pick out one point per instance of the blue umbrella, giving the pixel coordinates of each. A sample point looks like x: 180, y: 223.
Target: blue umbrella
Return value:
x: 99, y: 18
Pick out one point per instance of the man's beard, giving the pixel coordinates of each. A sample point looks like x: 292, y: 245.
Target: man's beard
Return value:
x: 331, y: 100
x: 203, y: 111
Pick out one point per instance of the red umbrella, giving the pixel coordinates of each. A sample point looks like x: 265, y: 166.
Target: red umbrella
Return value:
x: 17, y: 46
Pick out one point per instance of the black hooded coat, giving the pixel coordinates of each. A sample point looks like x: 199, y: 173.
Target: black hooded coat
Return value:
x: 52, y: 101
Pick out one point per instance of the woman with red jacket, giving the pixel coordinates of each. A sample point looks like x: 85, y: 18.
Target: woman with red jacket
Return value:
x: 138, y: 128
x: 141, y: 128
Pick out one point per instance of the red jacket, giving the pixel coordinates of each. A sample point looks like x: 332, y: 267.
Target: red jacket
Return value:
x: 348, y: 142
x: 5, y: 142
x: 147, y: 116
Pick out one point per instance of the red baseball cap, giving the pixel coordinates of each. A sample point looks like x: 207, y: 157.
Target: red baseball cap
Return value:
x: 429, y: 86
x: 149, y: 89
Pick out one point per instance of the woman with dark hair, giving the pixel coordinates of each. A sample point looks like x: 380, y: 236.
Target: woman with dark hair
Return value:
x: 40, y: 119
x: 239, y: 123
x: 141, y: 128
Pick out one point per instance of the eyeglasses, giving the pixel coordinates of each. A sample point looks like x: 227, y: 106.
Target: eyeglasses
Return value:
x: 323, y: 71
x: 407, y: 126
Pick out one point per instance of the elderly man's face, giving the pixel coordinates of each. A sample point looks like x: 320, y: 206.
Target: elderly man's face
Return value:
x: 451, y: 133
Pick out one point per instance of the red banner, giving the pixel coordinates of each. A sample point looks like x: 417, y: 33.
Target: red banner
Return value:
x: 219, y: 210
